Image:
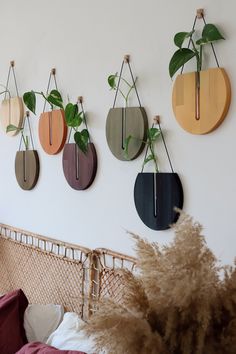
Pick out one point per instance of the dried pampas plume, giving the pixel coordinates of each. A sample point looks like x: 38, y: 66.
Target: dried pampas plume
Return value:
x: 176, y: 303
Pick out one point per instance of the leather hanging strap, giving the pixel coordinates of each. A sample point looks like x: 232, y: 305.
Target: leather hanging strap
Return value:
x: 127, y: 61
x: 11, y: 70
x: 157, y: 121
x: 31, y: 138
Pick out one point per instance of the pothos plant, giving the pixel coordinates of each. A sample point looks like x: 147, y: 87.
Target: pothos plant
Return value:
x: 113, y: 83
x: 25, y: 138
x: 210, y: 34
x: 152, y: 135
x: 73, y: 117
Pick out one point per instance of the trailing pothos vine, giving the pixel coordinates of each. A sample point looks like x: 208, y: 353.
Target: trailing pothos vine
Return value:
x: 210, y: 34
x: 73, y: 117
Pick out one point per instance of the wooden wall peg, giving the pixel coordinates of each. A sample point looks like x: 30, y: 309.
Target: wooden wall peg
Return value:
x: 200, y: 13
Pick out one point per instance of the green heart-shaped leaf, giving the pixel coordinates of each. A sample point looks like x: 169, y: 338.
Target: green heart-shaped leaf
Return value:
x: 180, y: 37
x: 180, y: 57
x: 55, y: 98
x: 210, y: 34
x: 12, y: 128
x: 153, y: 134
x: 81, y: 139
x: 112, y: 80
x: 29, y: 99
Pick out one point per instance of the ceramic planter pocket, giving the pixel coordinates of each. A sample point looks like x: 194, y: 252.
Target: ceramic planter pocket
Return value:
x: 79, y: 168
x: 122, y: 122
x: 201, y: 100
x: 52, y: 131
x: 27, y: 168
x: 155, y: 196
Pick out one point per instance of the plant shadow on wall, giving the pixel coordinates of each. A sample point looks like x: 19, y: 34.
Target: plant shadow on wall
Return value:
x: 200, y: 99
x: 177, y: 303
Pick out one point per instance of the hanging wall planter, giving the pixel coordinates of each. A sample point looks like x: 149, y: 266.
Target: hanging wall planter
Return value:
x: 156, y: 195
x: 79, y: 161
x: 26, y: 160
x: 200, y: 99
x: 125, y: 121
x: 52, y: 126
x: 12, y: 109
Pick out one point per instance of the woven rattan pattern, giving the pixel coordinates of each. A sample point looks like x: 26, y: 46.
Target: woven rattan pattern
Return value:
x: 51, y: 271
x: 107, y: 279
x: 44, y: 276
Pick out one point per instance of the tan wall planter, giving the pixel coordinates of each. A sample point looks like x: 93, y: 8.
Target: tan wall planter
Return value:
x: 12, y: 112
x: 52, y: 131
x: 201, y: 111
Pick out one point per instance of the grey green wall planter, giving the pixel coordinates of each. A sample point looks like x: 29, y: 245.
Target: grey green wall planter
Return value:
x: 122, y: 122
x: 27, y: 168
x: 27, y: 165
x: 155, y: 196
x: 125, y: 121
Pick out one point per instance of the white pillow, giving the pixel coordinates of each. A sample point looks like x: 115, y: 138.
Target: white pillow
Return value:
x: 68, y: 335
x: 41, y: 320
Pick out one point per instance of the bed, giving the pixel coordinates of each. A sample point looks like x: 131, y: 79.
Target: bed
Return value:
x: 51, y: 271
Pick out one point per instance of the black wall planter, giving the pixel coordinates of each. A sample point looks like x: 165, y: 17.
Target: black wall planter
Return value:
x: 79, y: 168
x: 155, y: 196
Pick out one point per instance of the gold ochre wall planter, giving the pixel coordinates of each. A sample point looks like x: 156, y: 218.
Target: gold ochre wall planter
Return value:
x: 27, y: 162
x: 200, y: 111
x: 126, y: 121
x: 52, y: 126
x: 201, y: 99
x: 12, y: 108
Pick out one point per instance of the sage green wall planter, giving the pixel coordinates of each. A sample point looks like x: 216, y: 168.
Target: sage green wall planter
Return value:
x: 27, y: 168
x: 122, y: 122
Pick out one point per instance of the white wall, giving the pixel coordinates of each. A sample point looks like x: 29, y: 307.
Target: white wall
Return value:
x: 86, y: 41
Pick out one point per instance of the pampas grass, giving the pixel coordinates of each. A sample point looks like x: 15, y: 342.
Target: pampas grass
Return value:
x: 177, y: 304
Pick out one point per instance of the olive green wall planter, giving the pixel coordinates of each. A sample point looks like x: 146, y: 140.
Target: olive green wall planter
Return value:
x: 122, y: 122
x: 27, y: 168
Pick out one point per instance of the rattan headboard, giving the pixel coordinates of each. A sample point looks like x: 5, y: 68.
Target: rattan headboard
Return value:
x: 51, y: 271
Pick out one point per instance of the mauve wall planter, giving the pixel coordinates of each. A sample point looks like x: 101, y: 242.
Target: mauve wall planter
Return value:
x: 122, y: 122
x: 155, y: 196
x: 27, y: 168
x: 52, y: 131
x: 79, y: 168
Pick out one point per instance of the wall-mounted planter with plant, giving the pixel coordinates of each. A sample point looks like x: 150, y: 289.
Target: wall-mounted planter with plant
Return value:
x: 26, y: 161
x: 52, y: 126
x: 12, y: 109
x: 156, y: 195
x: 200, y: 99
x: 124, y: 121
x: 79, y: 158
